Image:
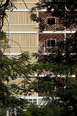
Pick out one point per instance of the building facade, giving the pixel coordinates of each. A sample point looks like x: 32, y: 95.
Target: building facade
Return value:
x: 22, y: 34
x: 27, y: 35
x: 21, y: 30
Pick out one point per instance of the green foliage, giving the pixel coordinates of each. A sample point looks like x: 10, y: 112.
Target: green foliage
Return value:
x: 13, y: 68
x: 2, y: 110
x: 34, y: 17
x: 43, y: 86
x: 62, y: 104
x: 66, y: 104
x: 50, y: 109
x: 68, y: 98
x: 2, y: 35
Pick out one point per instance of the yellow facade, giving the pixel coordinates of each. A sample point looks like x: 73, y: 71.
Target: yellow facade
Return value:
x: 21, y: 31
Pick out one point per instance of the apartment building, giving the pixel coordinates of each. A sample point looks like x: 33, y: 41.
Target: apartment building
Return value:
x: 27, y: 35
x: 22, y: 34
x: 51, y: 31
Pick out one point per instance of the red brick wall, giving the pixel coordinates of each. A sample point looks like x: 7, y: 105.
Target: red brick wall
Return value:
x: 43, y: 38
x: 44, y: 15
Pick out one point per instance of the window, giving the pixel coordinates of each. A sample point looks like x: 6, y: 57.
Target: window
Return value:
x: 30, y: 100
x: 51, y: 21
x: 51, y: 42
